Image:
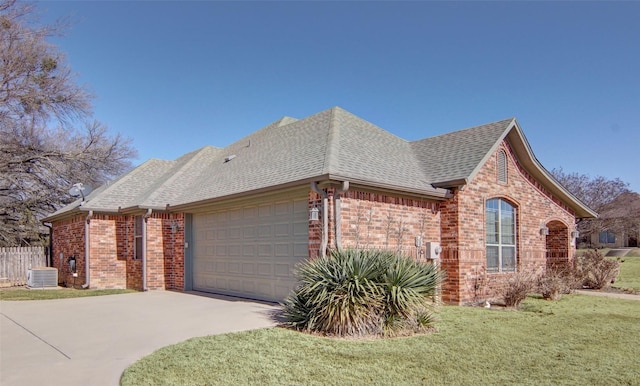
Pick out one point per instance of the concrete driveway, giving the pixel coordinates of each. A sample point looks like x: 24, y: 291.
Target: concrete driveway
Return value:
x: 92, y: 340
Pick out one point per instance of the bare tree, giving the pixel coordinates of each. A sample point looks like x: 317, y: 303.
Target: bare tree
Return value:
x: 48, y: 140
x: 596, y: 192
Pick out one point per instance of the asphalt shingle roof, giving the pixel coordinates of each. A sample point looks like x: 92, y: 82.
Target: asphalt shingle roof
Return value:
x: 456, y: 155
x: 332, y: 144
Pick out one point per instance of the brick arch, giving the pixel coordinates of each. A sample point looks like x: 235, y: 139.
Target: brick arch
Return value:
x: 509, y: 199
x: 557, y: 243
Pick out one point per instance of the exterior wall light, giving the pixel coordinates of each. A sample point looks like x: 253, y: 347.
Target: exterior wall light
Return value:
x: 575, y: 234
x: 544, y: 231
x: 314, y: 214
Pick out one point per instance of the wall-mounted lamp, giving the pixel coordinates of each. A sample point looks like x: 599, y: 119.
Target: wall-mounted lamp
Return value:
x: 174, y: 226
x: 544, y: 231
x: 314, y: 214
x: 575, y: 234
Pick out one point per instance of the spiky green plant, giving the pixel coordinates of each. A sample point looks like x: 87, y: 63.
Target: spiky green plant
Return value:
x: 357, y: 292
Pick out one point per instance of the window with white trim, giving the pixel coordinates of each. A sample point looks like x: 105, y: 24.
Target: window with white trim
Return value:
x: 501, y: 236
x: 502, y: 166
x: 137, y: 237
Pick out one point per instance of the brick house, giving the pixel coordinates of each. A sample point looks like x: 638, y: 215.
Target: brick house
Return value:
x: 236, y: 220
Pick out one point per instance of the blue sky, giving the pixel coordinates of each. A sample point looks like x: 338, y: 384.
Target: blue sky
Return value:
x: 175, y: 76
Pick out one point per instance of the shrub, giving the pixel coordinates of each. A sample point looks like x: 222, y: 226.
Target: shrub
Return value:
x: 518, y: 287
x: 595, y: 271
x: 356, y: 292
x: 556, y: 282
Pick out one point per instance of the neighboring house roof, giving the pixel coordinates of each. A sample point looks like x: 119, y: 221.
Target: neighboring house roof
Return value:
x: 624, y: 206
x: 331, y: 145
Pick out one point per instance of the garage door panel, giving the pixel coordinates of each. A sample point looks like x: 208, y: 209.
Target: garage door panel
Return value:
x: 301, y: 228
x: 248, y: 250
x: 265, y: 250
x: 283, y: 250
x: 255, y: 249
x: 281, y: 230
x: 265, y: 269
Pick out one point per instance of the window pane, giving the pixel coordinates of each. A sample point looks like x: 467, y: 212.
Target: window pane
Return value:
x: 492, y: 259
x: 138, y: 251
x: 611, y: 237
x: 493, y: 222
x: 138, y: 226
x: 508, y: 259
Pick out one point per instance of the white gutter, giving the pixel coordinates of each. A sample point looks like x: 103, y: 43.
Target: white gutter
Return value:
x: 336, y: 211
x: 87, y: 248
x: 325, y: 218
x: 144, y: 249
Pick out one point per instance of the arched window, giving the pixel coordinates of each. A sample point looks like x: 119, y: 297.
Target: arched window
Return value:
x: 501, y: 236
x: 502, y: 166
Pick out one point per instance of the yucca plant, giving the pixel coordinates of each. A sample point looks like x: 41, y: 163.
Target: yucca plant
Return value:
x: 356, y: 292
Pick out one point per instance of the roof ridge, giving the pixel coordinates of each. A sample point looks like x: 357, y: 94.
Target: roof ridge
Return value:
x: 332, y: 147
x: 457, y: 132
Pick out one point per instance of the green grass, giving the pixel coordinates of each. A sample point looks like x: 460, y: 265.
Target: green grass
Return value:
x: 629, y: 278
x: 577, y: 340
x: 60, y: 293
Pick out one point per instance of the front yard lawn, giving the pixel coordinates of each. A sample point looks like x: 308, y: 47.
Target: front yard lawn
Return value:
x: 58, y: 293
x: 629, y: 278
x: 577, y: 340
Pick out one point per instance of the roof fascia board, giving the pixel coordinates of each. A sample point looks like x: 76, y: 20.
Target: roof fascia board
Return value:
x: 372, y: 189
x: 436, y: 193
x: 451, y: 183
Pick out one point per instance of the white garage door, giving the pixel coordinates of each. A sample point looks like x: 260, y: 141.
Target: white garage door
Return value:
x: 250, y: 251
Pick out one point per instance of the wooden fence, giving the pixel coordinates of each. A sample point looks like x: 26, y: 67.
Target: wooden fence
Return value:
x: 16, y: 261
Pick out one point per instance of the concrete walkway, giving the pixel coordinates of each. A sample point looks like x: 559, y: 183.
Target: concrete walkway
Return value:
x: 92, y: 340
x: 617, y: 295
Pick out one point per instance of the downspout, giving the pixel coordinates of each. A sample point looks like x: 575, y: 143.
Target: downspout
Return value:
x: 336, y: 212
x: 144, y: 250
x: 325, y: 218
x: 50, y: 254
x: 87, y: 247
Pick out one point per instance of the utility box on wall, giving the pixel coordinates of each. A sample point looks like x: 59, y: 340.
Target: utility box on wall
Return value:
x: 433, y: 250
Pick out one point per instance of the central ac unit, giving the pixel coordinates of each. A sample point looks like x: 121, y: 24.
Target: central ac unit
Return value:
x: 42, y: 277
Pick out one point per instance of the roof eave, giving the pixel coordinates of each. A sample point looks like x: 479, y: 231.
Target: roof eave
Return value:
x: 451, y: 184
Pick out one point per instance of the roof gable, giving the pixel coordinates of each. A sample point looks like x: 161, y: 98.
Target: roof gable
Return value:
x: 453, y: 159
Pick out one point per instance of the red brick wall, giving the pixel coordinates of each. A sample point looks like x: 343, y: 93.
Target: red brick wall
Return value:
x: 535, y: 207
x: 112, y: 263
x: 68, y: 240
x: 165, y: 251
x: 106, y: 270
x: 389, y: 222
x: 376, y: 221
